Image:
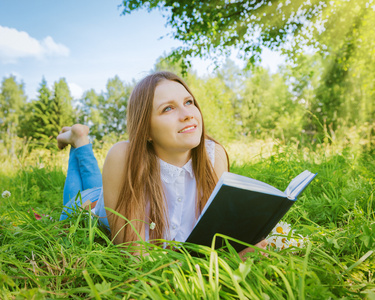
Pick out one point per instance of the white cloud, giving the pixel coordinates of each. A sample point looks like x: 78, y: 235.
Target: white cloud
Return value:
x: 75, y: 90
x: 16, y: 44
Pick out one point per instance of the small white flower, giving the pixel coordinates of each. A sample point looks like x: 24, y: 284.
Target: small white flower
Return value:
x: 281, y: 228
x: 298, y: 241
x: 152, y: 226
x: 295, y: 243
x: 278, y: 239
x: 6, y: 194
x: 282, y: 243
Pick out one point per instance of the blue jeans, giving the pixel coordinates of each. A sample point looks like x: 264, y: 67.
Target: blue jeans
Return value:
x: 83, y: 174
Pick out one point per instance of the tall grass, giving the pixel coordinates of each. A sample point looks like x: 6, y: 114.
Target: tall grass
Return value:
x: 74, y: 258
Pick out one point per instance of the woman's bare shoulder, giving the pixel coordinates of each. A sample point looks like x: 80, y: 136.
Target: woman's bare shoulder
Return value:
x: 118, y: 150
x: 221, y: 160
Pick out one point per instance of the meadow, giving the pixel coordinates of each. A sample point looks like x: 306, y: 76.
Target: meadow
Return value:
x: 43, y: 258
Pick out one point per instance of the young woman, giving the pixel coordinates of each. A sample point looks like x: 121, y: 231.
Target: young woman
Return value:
x: 164, y: 174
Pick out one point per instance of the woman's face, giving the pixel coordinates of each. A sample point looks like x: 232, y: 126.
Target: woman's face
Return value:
x: 176, y: 123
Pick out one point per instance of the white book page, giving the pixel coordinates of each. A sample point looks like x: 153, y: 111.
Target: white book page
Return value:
x: 299, y: 188
x: 298, y: 183
x: 250, y: 184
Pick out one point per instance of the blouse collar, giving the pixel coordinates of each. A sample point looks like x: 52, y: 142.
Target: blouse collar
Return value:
x: 169, y: 173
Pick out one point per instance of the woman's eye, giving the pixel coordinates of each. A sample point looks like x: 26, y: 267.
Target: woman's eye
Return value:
x: 189, y: 102
x: 168, y: 108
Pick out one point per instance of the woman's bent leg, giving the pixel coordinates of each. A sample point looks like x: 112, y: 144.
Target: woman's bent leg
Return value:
x: 83, y: 170
x: 73, y: 182
x: 88, y: 167
x: 83, y: 175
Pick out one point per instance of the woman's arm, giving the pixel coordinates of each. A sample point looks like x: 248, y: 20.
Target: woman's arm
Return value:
x: 113, y: 177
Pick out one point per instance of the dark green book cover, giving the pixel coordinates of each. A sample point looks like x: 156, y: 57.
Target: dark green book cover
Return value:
x: 244, y: 213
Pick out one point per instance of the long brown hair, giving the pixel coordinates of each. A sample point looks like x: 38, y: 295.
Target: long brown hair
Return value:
x: 142, y: 183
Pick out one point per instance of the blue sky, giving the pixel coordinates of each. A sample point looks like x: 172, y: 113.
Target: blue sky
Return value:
x: 85, y: 41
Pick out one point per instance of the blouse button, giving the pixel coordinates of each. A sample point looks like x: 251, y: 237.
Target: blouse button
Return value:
x: 174, y: 227
x: 179, y: 199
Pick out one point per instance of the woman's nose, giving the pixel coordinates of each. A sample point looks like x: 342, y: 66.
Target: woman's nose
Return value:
x: 186, y: 114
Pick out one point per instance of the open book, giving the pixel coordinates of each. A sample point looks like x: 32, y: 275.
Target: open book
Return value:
x: 245, y: 209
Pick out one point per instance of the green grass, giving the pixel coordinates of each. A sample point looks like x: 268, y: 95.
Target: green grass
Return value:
x: 48, y: 259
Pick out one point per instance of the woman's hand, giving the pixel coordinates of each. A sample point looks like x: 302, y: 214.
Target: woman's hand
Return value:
x: 262, y: 245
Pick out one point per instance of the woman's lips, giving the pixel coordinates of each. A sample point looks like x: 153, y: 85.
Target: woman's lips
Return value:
x: 188, y: 128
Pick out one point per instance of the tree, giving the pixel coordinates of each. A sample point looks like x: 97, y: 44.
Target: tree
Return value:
x: 113, y: 106
x: 90, y: 113
x: 339, y: 32
x: 165, y: 63
x: 216, y: 27
x: 267, y: 106
x: 38, y: 123
x: 346, y: 94
x: 48, y: 114
x: 105, y: 113
x: 214, y: 99
x: 61, y: 106
x: 12, y: 103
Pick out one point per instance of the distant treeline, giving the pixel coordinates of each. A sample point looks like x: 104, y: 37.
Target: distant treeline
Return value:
x: 308, y: 101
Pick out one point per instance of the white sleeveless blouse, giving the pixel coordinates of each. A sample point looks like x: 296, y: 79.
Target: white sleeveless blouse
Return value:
x: 180, y: 193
